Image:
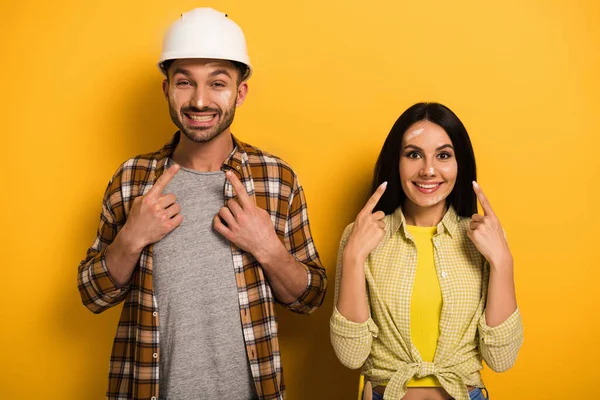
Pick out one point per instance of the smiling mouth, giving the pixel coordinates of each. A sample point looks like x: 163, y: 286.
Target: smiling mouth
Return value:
x: 201, y: 118
x: 427, y: 185
x: 427, y: 188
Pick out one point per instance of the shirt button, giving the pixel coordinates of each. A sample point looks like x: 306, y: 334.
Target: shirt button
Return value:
x: 237, y: 167
x: 155, y: 355
x: 444, y: 274
x: 153, y: 398
x: 154, y: 314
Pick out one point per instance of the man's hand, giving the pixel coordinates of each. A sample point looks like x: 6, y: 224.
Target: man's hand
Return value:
x: 249, y: 227
x: 153, y: 215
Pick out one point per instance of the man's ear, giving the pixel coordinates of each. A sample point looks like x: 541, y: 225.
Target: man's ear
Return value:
x: 165, y: 87
x: 242, y: 92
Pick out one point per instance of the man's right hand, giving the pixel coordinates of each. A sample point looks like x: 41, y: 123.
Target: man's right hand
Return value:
x: 153, y: 215
x: 151, y: 218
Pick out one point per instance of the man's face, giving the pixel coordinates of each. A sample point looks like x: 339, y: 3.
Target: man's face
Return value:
x: 203, y: 95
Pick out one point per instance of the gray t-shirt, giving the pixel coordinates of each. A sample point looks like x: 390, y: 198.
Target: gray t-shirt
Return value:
x: 202, y: 349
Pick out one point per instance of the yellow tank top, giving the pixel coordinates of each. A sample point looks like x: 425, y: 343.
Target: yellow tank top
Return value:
x: 426, y: 302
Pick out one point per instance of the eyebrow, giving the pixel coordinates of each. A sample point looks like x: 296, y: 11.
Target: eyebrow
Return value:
x: 444, y: 146
x: 219, y: 72
x: 182, y: 71
x: 188, y: 73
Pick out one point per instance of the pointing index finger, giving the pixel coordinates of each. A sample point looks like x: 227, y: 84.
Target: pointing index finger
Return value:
x: 163, y: 180
x: 485, y: 204
x: 374, y: 199
x: 240, y: 189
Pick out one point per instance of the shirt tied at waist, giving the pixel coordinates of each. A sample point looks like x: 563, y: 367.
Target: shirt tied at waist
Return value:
x: 451, y: 381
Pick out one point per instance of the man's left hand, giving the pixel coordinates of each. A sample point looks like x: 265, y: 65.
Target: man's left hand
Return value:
x: 249, y: 227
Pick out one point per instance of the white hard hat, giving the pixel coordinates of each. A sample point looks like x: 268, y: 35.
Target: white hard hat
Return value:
x: 205, y: 33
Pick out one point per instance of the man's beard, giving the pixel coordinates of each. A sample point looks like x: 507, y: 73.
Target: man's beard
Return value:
x: 202, y: 134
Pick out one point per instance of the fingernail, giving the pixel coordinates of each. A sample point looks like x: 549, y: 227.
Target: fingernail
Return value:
x: 475, y: 184
x: 228, y: 173
x: 384, y: 184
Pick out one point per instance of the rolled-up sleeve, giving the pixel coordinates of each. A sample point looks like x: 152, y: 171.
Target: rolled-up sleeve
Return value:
x: 97, y: 288
x: 313, y: 295
x: 299, y: 242
x: 500, y: 344
x: 351, y: 341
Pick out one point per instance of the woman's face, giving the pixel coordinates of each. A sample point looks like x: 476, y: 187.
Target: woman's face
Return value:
x: 428, y: 165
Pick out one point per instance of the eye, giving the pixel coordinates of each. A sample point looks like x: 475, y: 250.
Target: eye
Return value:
x: 183, y: 84
x: 413, y: 155
x: 444, y: 155
x: 219, y: 84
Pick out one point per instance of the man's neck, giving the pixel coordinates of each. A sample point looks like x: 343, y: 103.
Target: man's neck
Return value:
x: 203, y: 157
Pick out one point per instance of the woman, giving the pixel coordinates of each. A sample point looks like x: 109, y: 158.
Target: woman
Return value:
x: 424, y: 284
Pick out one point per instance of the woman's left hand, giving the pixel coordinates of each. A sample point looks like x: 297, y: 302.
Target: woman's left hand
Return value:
x: 487, y: 234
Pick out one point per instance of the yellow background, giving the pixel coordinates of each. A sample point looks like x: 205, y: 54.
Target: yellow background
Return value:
x: 80, y: 94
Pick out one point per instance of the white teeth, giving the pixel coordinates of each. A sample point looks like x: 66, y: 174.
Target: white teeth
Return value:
x: 430, y: 186
x: 203, y: 118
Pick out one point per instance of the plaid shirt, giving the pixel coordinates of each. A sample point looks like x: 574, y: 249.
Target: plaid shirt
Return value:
x: 134, y: 365
x: 382, y: 344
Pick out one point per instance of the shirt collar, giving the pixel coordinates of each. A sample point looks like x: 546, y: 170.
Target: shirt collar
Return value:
x: 236, y: 161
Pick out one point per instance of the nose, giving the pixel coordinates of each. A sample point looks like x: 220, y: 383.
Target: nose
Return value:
x: 428, y: 170
x: 200, y: 99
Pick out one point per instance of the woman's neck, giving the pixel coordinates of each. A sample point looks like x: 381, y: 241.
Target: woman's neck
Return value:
x: 423, y: 216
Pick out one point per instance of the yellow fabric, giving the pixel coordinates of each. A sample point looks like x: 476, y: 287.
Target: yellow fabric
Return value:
x: 361, y: 386
x: 382, y: 344
x: 426, y: 302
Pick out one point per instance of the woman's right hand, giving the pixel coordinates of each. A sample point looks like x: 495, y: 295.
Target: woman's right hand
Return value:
x: 368, y: 229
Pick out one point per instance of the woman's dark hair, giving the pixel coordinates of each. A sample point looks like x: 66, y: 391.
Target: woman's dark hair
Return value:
x: 462, y: 197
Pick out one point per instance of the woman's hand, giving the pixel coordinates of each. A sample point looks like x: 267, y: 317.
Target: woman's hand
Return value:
x: 368, y: 229
x: 487, y: 234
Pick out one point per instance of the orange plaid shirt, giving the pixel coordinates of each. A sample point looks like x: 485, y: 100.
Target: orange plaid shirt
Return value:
x: 134, y: 364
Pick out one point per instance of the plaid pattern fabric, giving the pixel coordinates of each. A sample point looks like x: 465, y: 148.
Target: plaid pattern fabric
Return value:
x: 382, y: 344
x: 134, y: 365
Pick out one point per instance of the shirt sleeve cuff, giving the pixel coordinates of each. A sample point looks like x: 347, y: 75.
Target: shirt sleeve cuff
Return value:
x: 345, y: 328
x: 503, y: 334
x: 107, y: 286
x: 307, y: 290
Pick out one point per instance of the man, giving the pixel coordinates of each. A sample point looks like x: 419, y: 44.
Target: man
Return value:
x: 200, y: 238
